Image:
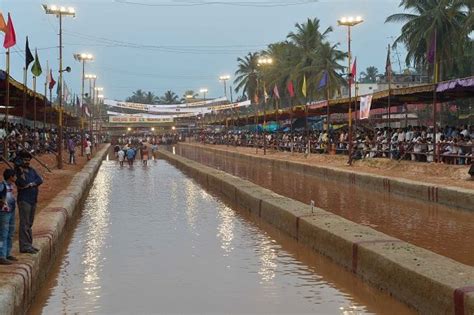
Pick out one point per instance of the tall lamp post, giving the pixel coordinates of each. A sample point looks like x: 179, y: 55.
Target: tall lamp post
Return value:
x: 92, y: 78
x: 83, y: 57
x: 60, y: 11
x: 262, y: 62
x: 350, y: 21
x: 100, y: 99
x: 204, y: 92
x: 224, y: 79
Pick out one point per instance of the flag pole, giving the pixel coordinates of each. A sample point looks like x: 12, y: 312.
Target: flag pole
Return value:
x: 45, y: 103
x: 7, y: 102
x: 435, y: 83
x: 34, y: 102
x: 25, y: 82
x: 328, y: 114
x: 51, y: 113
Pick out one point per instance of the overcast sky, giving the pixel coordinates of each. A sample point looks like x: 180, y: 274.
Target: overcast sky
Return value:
x: 178, y: 47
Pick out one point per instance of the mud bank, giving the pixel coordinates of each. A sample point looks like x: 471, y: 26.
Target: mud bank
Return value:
x: 19, y: 282
x: 458, y: 197
x: 427, y: 282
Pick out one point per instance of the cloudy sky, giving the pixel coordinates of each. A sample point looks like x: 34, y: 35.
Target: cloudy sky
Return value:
x: 160, y: 45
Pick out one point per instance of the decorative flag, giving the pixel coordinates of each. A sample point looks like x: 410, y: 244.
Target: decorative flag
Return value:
x: 291, y: 88
x: 353, y: 77
x: 28, y: 56
x: 66, y: 93
x: 86, y: 110
x: 3, y: 25
x: 388, y: 64
x: 10, y: 36
x: 324, y: 80
x: 255, y: 98
x: 431, y: 55
x: 276, y: 93
x: 265, y: 94
x: 58, y: 89
x: 36, y: 68
x: 51, y: 81
x: 365, y: 104
x: 303, y: 88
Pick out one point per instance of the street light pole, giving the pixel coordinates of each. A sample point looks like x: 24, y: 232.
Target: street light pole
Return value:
x: 83, y: 58
x: 59, y: 12
x: 350, y: 22
x: 224, y: 78
x: 263, y: 62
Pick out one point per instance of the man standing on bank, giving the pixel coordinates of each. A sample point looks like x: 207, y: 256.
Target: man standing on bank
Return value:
x: 27, y: 183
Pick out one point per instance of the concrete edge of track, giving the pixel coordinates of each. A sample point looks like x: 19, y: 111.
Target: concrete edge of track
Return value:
x: 456, y: 197
x: 428, y: 282
x: 20, y: 281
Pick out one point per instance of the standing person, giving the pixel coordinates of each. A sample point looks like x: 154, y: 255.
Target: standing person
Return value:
x: 27, y: 183
x: 130, y: 156
x: 71, y: 146
x: 144, y: 154
x: 7, y: 217
x: 121, y: 156
x: 88, y: 148
x: 154, y: 150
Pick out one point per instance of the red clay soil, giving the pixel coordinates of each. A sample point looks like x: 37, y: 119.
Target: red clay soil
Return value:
x: 57, y: 180
x: 435, y: 173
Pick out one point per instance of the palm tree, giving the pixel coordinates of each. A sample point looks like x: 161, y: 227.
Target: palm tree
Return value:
x: 246, y: 75
x: 137, y: 97
x: 189, y: 94
x: 169, y: 98
x: 445, y: 18
x: 151, y: 98
x: 330, y: 59
x: 307, y: 40
x: 370, y: 75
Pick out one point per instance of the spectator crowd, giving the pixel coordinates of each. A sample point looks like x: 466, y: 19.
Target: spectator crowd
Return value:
x: 451, y: 145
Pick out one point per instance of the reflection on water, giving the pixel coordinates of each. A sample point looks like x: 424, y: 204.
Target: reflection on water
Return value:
x: 151, y: 241
x: 432, y: 226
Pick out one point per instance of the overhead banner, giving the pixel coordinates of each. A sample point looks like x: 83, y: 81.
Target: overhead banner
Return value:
x: 180, y: 110
x: 365, y: 104
x: 138, y: 120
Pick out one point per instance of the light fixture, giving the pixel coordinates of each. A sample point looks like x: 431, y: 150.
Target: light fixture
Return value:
x: 350, y: 20
x: 54, y: 9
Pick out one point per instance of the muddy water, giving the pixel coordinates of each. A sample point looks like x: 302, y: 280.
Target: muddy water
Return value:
x: 150, y: 240
x: 446, y: 231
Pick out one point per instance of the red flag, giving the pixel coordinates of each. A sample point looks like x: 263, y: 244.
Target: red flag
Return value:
x: 10, y: 36
x: 354, y: 72
x: 52, y: 83
x: 291, y: 88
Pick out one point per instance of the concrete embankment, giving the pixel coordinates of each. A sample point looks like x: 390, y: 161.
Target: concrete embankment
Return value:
x: 19, y: 282
x: 428, y: 282
x: 457, y: 197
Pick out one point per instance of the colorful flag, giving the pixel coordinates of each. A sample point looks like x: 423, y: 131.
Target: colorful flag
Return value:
x: 353, y: 77
x: 276, y: 93
x: 431, y: 55
x: 36, y: 68
x: 303, y: 88
x: 86, y: 110
x: 28, y: 55
x: 3, y: 25
x: 324, y: 80
x: 51, y: 81
x: 66, y: 93
x: 10, y: 36
x: 291, y: 88
x: 265, y: 94
x: 388, y: 64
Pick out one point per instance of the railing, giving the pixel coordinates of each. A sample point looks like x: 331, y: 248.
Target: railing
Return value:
x: 449, y: 153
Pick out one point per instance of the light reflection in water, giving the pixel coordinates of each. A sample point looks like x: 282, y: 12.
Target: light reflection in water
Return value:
x: 191, y: 210
x: 268, y: 260
x: 225, y: 229
x: 97, y: 231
